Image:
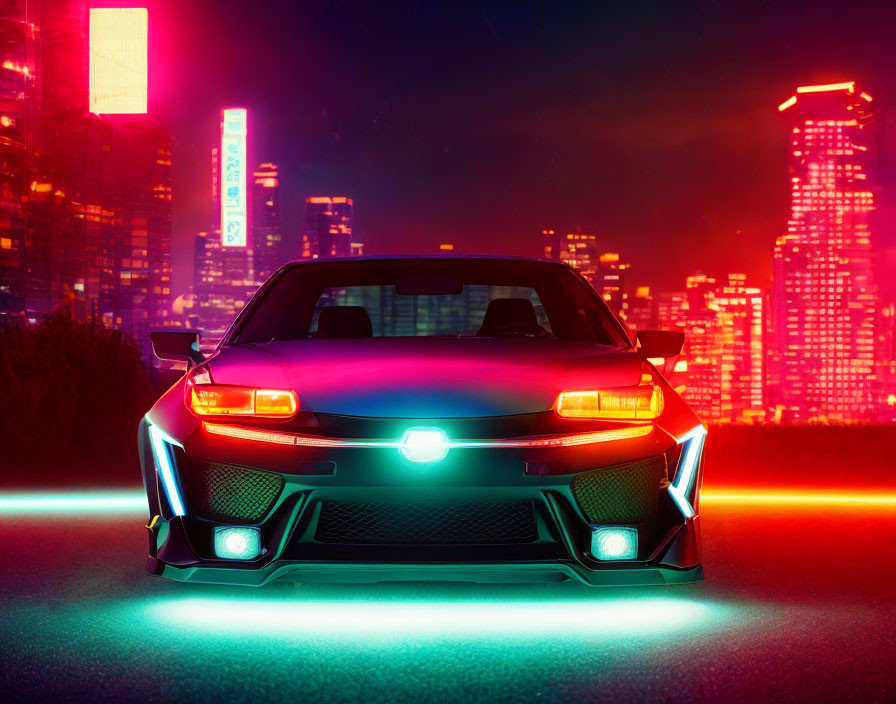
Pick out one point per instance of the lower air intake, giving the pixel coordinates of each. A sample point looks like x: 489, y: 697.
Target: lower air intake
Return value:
x: 229, y: 494
x: 427, y: 523
x: 625, y: 493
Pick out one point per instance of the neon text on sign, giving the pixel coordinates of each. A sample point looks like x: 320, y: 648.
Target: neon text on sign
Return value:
x: 233, y: 178
x: 118, y: 60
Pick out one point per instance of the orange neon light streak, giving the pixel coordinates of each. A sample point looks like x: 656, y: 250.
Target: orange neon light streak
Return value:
x: 797, y: 497
x: 824, y: 87
x: 790, y: 102
x: 866, y: 96
x: 545, y: 441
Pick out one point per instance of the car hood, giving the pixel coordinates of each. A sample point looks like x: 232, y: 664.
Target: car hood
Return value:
x: 427, y: 377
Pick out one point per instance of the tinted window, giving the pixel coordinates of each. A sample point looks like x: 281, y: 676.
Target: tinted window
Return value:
x: 425, y: 298
x: 400, y: 315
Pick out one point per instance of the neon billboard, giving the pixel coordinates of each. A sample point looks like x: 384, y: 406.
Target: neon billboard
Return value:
x: 233, y: 177
x: 117, y: 82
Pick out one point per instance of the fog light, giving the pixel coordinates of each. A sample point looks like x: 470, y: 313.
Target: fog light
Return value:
x: 614, y: 543
x: 424, y: 445
x: 237, y: 543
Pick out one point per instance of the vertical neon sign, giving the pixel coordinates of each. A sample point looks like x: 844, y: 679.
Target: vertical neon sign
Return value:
x: 233, y: 177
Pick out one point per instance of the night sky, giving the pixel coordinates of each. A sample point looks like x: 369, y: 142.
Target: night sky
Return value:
x: 653, y: 125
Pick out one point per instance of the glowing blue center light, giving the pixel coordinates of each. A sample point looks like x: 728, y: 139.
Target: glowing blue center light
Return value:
x: 424, y: 444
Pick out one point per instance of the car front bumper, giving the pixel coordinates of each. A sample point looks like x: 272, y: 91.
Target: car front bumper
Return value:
x: 369, y: 515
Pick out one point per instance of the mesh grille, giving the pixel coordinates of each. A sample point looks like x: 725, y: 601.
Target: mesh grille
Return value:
x: 225, y: 493
x: 468, y: 522
x: 627, y: 493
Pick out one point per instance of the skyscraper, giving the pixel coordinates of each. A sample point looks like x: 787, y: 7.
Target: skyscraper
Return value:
x: 224, y: 276
x: 723, y: 353
x: 328, y: 227
x: 268, y: 250
x: 639, y: 310
x: 824, y: 295
x: 18, y: 93
x: 86, y: 199
x: 739, y: 319
x: 577, y: 249
x: 610, y: 282
x: 221, y: 283
x: 702, y: 347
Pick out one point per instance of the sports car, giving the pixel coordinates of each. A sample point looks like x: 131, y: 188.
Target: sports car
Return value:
x: 482, y: 419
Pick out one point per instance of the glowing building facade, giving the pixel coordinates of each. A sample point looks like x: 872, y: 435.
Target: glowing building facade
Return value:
x: 224, y: 267
x: 328, y: 228
x: 610, y: 282
x: 222, y: 284
x: 886, y: 369
x: 19, y: 94
x: 824, y: 297
x: 639, y: 310
x: 741, y: 354
x: 722, y: 366
x: 577, y: 249
x: 86, y: 200
x: 268, y: 250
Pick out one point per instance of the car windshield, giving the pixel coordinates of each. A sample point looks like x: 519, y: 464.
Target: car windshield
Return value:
x: 428, y: 298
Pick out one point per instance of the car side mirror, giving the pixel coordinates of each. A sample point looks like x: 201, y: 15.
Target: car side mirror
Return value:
x: 660, y: 343
x: 180, y: 346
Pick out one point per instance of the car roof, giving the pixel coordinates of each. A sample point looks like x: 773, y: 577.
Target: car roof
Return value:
x: 434, y: 257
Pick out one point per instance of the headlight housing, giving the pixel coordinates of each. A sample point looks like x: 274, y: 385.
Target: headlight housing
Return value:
x: 205, y: 398
x: 644, y: 402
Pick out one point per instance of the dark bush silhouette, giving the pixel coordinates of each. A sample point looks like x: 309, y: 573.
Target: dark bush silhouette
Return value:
x: 71, y: 395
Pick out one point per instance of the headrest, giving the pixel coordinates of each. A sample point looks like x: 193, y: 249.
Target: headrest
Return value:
x: 343, y: 322
x: 502, y: 312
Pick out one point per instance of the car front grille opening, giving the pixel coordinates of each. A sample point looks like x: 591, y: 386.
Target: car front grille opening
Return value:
x: 427, y: 523
x: 229, y: 494
x: 621, y: 494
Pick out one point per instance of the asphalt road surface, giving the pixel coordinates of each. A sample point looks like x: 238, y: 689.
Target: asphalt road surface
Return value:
x: 799, y: 605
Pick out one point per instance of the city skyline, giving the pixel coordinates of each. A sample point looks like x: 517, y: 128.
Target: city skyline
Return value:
x: 91, y: 203
x: 428, y: 140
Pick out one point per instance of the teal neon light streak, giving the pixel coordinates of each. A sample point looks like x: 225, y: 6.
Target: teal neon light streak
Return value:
x: 687, y: 469
x: 58, y: 502
x: 164, y: 459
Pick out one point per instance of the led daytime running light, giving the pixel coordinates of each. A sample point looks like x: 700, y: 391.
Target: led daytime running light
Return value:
x: 545, y: 441
x: 680, y: 489
x: 162, y: 453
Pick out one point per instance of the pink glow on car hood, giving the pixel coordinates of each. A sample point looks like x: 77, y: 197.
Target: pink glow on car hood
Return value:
x: 427, y: 377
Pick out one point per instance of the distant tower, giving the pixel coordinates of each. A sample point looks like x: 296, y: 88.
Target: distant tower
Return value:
x: 220, y: 284
x: 577, y: 249
x: 739, y: 316
x: 610, y: 282
x: 639, y: 313
x: 824, y: 296
x: 723, y: 348
x: 328, y: 227
x: 268, y: 252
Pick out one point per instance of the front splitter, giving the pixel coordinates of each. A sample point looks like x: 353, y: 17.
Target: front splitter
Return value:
x: 363, y: 573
